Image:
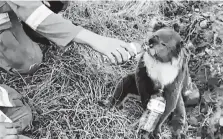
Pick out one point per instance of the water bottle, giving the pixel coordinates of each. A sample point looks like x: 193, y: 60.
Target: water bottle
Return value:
x: 136, y: 47
x: 155, y: 108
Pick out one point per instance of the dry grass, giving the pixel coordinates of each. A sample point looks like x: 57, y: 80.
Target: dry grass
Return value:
x: 63, y: 93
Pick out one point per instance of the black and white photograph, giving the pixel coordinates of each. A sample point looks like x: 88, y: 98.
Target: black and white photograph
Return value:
x: 111, y: 69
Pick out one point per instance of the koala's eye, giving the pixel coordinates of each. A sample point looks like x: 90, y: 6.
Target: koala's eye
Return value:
x: 163, y: 44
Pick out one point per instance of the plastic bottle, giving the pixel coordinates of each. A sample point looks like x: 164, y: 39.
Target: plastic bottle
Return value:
x: 155, y: 109
x: 136, y: 47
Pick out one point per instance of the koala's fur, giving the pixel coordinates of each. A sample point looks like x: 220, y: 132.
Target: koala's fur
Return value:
x: 163, y: 66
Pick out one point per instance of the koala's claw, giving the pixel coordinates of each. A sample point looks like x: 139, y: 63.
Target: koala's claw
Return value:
x: 102, y: 104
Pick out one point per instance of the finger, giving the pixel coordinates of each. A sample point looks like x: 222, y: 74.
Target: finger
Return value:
x: 8, y: 125
x: 123, y: 54
x: 118, y: 56
x: 18, y: 127
x: 11, y: 131
x: 111, y: 58
x: 12, y: 137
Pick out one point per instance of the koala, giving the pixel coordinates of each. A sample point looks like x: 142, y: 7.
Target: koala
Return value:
x: 162, y: 69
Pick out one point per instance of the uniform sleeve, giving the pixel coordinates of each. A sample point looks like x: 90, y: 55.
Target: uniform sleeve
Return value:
x: 41, y: 19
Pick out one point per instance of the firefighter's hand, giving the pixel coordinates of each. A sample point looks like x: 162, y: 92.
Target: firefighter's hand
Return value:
x: 8, y: 131
x: 116, y: 50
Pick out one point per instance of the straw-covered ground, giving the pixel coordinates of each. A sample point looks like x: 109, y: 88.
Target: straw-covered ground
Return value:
x: 64, y: 92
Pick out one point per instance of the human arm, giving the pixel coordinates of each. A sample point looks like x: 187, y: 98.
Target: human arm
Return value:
x: 61, y: 31
x: 116, y: 50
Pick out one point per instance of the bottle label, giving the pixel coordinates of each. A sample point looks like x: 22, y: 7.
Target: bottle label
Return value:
x: 156, y: 105
x: 155, y: 109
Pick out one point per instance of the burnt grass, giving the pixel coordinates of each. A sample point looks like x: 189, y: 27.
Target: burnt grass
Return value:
x: 64, y: 92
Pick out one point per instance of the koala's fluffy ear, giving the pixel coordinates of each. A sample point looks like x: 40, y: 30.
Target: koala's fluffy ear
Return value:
x: 180, y: 44
x: 176, y: 27
x: 158, y: 26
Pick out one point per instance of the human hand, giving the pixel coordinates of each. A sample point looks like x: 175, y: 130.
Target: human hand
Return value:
x: 116, y: 50
x: 8, y: 131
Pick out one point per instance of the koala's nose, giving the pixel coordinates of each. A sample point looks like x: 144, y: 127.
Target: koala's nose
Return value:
x: 153, y: 41
x: 151, y: 46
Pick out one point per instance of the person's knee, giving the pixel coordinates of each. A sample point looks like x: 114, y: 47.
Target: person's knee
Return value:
x: 23, y: 56
x: 32, y: 63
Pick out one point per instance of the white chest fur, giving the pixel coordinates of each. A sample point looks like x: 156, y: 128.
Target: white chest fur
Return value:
x: 165, y: 73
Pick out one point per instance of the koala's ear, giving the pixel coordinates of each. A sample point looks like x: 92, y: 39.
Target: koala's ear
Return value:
x: 176, y: 27
x: 158, y: 26
x: 180, y: 44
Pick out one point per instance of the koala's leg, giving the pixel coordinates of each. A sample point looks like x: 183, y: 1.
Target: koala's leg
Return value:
x: 125, y: 86
x: 144, y: 85
x: 179, y: 118
x: 171, y: 97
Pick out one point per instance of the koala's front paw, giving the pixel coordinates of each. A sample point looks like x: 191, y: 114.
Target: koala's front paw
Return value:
x: 178, y: 136
x: 105, y: 104
x: 110, y: 104
x: 178, y: 126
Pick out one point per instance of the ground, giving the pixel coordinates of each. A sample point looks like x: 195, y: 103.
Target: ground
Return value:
x: 64, y: 92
